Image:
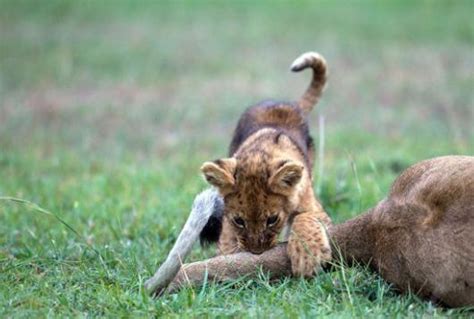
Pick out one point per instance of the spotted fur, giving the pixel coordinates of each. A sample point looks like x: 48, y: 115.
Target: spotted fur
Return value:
x: 266, y: 181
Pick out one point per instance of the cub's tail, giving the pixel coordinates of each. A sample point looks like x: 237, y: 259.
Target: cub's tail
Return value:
x: 313, y: 92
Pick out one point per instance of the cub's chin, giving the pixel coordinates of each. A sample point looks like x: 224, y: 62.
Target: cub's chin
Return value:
x: 257, y: 251
x: 260, y: 249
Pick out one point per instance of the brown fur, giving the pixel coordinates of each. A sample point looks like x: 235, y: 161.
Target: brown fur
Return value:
x: 267, y: 181
x: 420, y: 238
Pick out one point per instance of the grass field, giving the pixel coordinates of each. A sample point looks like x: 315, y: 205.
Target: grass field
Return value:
x: 107, y: 110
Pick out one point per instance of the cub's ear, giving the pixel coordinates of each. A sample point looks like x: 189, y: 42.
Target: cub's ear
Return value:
x: 285, y: 177
x: 220, y: 173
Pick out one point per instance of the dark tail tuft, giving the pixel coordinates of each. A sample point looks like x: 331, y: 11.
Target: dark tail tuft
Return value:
x: 211, y: 232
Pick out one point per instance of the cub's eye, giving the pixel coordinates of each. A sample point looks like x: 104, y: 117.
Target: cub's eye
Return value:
x: 272, y: 220
x: 239, y: 222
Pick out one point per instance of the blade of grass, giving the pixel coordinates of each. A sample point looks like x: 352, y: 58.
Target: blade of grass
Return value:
x: 356, y: 175
x: 37, y: 208
x: 320, y: 156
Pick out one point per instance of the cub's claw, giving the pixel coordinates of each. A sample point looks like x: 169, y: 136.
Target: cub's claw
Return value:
x: 306, y: 261
x: 308, y: 248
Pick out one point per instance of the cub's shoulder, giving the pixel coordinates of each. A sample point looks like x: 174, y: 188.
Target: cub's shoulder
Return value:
x: 279, y: 115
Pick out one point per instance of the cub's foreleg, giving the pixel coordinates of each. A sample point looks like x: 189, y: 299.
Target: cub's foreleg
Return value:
x: 308, y: 243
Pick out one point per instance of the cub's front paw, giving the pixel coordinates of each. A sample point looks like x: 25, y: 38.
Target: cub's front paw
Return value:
x: 307, y: 253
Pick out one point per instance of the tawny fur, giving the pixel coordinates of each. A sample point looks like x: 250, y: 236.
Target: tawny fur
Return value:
x: 266, y: 182
x: 420, y: 238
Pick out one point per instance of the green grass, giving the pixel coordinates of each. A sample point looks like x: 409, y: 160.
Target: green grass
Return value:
x: 107, y: 110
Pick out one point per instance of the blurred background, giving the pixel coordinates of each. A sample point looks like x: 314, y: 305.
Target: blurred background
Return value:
x: 163, y: 83
x: 108, y: 109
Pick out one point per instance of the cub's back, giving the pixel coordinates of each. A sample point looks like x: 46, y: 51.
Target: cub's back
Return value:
x: 286, y: 118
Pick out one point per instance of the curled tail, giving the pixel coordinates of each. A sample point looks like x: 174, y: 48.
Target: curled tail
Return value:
x: 313, y: 92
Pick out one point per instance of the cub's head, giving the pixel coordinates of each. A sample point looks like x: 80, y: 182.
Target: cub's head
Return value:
x: 258, y: 196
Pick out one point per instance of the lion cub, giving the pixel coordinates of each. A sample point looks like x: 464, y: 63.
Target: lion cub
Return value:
x: 266, y: 182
